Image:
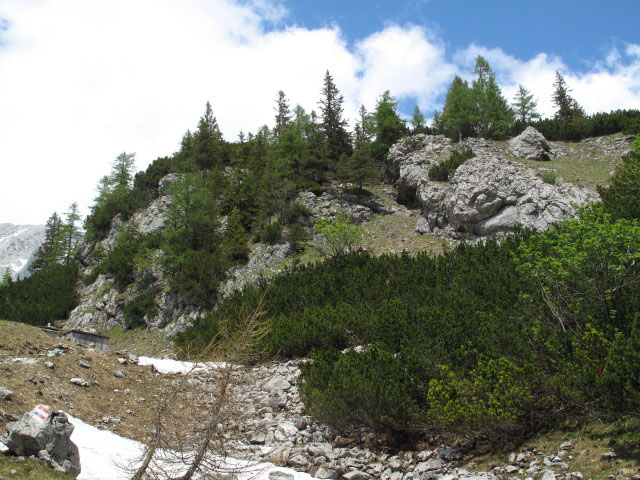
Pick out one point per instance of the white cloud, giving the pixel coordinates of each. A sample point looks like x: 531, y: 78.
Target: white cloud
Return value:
x: 82, y: 81
x: 611, y: 84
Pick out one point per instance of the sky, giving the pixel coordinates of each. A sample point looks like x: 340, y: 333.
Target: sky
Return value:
x: 82, y: 81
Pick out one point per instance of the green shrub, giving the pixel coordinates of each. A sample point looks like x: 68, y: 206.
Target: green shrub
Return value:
x: 295, y: 213
x: 443, y: 170
x: 339, y: 235
x: 549, y: 176
x: 270, y: 233
x: 137, y: 308
x: 622, y: 198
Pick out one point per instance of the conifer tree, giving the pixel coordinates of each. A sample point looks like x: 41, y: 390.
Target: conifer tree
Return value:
x: 567, y: 105
x: 122, y: 171
x: 492, y: 115
x: 459, y: 111
x: 236, y: 237
x: 71, y: 231
x: 315, y: 163
x: 417, y: 120
x: 524, y: 106
x: 283, y: 115
x: 359, y: 167
x: 207, y: 141
x: 388, y: 125
x: 51, y: 251
x: 7, y: 279
x: 333, y: 125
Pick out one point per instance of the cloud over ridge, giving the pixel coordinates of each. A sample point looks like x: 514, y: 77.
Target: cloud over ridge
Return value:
x: 83, y: 81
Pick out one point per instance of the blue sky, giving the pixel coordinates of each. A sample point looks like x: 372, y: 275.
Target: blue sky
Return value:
x: 82, y: 81
x: 579, y: 31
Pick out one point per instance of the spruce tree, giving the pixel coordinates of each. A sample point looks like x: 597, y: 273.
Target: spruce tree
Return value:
x: 51, y: 251
x: 236, y: 237
x: 283, y: 115
x: 524, y: 106
x: 359, y: 167
x: 389, y: 128
x: 315, y: 160
x: 567, y: 105
x: 336, y: 136
x: 207, y: 141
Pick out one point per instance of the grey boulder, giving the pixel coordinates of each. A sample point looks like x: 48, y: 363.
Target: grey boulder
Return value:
x: 531, y: 144
x: 48, y: 439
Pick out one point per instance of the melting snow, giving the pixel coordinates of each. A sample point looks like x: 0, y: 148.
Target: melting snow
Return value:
x: 103, y: 455
x: 166, y: 365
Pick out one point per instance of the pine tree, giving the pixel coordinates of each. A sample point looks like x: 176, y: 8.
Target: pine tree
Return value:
x: 492, y: 116
x: 207, y: 141
x: 283, y: 115
x: 333, y: 125
x: 524, y: 106
x: 417, y: 120
x: 51, y: 251
x: 567, y: 106
x: 459, y: 111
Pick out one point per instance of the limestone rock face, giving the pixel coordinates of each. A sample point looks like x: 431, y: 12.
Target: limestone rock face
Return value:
x: 486, y: 196
x: 531, y: 144
x: 491, y: 195
x: 48, y: 438
x: 359, y: 206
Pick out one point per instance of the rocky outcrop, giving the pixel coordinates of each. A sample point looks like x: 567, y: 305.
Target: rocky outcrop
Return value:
x: 491, y: 195
x: 101, y: 303
x: 46, y: 435
x: 359, y: 206
x: 488, y: 195
x: 531, y: 144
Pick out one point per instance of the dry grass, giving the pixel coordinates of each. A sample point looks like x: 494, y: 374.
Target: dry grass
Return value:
x: 591, y: 441
x: 131, y: 400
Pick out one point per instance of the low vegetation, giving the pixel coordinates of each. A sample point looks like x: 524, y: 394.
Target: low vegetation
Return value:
x: 500, y: 338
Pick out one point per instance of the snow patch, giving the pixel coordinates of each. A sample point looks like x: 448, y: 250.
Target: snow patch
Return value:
x: 167, y: 365
x: 103, y: 455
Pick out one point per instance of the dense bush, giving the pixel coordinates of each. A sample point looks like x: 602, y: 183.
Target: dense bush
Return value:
x: 574, y: 129
x: 47, y: 295
x: 622, y: 198
x: 443, y: 170
x: 138, y: 307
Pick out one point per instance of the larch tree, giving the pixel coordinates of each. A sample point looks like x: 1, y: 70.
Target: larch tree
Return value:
x: 71, y: 231
x: 492, y: 116
x: 459, y: 110
x: 524, y: 106
x: 418, y: 122
x: 567, y: 106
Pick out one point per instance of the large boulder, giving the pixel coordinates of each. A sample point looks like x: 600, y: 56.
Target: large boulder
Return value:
x: 46, y: 435
x: 531, y: 144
